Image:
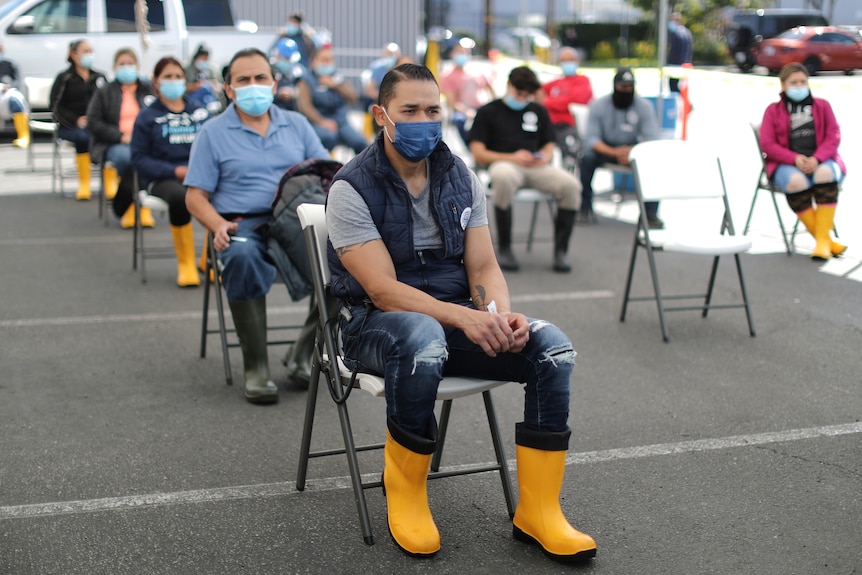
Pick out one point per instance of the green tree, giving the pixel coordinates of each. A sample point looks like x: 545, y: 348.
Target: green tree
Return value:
x: 686, y: 7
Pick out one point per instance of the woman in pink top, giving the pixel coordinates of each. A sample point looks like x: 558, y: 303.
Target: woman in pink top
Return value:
x: 799, y: 137
x: 110, y: 119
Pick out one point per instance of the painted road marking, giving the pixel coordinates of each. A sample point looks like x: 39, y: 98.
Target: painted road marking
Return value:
x: 287, y: 488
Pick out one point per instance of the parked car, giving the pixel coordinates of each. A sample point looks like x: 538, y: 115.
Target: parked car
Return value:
x: 37, y: 33
x: 750, y: 27
x: 817, y: 48
x: 523, y: 41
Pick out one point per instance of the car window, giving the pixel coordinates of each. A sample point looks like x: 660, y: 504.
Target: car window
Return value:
x: 208, y: 13
x: 771, y: 26
x: 121, y: 15
x: 838, y: 38
x: 52, y: 17
x: 792, y: 34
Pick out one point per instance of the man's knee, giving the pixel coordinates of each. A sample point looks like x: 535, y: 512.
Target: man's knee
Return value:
x: 553, y: 344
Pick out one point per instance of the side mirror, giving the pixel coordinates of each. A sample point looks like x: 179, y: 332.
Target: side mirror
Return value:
x: 22, y: 25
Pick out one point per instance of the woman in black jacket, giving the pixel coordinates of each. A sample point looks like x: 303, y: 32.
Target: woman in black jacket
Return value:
x: 111, y: 118
x: 70, y: 95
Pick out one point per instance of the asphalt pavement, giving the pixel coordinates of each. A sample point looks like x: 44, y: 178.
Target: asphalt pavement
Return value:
x: 124, y: 452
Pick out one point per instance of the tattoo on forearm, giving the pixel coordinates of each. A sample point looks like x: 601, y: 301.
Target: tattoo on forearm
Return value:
x: 479, y: 299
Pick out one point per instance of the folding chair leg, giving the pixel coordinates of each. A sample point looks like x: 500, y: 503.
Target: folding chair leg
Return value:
x: 228, y: 374
x: 658, y: 300
x: 533, y: 218
x: 708, y: 299
x: 787, y: 244
x: 628, y: 289
x: 441, y: 435
x: 355, y: 477
x: 310, y: 407
x: 505, y: 477
x: 205, y: 313
x: 744, y: 295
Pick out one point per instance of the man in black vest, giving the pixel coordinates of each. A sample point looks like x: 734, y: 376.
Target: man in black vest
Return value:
x: 421, y: 292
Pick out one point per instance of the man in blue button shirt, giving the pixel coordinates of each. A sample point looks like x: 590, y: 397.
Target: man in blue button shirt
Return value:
x: 236, y: 162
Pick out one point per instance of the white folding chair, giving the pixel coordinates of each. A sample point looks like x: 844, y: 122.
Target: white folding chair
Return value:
x: 338, y: 380
x: 672, y: 171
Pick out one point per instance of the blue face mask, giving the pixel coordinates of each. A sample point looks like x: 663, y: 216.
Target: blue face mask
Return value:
x: 1, y: 57
x: 569, y: 68
x: 284, y: 66
x: 414, y: 140
x: 461, y: 59
x: 87, y: 61
x: 514, y: 103
x: 172, y: 89
x: 291, y: 29
x: 325, y: 69
x: 255, y: 99
x: 797, y: 93
x: 127, y: 74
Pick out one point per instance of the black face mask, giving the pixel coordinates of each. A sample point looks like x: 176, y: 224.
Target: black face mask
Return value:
x: 622, y: 100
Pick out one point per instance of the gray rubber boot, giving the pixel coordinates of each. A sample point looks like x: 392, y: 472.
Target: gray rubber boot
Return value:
x: 298, y: 358
x: 249, y: 317
x: 564, y: 225
x: 505, y: 255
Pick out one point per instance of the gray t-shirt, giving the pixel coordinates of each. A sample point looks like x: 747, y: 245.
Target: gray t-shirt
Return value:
x: 615, y: 127
x: 349, y: 221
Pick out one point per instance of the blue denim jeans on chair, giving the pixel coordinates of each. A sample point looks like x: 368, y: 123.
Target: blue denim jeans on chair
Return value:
x: 247, y: 273
x: 414, y: 352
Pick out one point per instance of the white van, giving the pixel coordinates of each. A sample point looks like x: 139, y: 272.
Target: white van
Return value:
x: 36, y: 34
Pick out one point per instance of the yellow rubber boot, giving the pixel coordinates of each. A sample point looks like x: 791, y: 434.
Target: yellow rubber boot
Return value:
x: 147, y: 219
x: 111, y: 180
x: 22, y: 126
x: 808, y: 218
x: 82, y: 161
x: 202, y: 262
x: 538, y: 518
x: 824, y: 219
x: 405, y: 480
x: 184, y: 245
x: 128, y: 219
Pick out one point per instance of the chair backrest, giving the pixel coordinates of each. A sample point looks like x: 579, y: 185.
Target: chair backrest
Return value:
x: 763, y: 178
x: 676, y: 169
x: 579, y: 112
x: 313, y: 216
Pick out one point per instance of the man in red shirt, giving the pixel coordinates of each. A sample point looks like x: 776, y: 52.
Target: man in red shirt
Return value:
x: 555, y: 96
x: 466, y: 90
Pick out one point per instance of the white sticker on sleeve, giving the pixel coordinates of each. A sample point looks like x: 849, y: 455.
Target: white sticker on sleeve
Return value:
x: 465, y: 217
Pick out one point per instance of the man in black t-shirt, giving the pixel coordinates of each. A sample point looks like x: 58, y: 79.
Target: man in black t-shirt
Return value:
x: 514, y: 137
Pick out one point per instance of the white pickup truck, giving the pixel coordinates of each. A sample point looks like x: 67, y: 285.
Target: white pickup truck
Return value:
x: 36, y: 34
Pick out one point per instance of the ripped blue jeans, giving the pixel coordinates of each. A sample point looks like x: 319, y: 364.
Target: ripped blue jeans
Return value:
x: 413, y: 352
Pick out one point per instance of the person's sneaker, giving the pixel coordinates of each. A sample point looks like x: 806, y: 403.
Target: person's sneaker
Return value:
x: 587, y: 217
x: 655, y: 223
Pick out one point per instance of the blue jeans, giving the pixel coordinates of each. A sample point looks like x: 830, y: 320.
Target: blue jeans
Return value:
x: 120, y: 155
x: 248, y: 273
x: 414, y: 352
x: 783, y: 173
x: 346, y: 135
x: 78, y: 136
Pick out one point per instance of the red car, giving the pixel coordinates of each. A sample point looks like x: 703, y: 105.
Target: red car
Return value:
x: 818, y: 48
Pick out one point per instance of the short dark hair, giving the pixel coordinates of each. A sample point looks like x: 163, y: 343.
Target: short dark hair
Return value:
x: 245, y: 53
x: 164, y: 63
x: 522, y: 78
x: 400, y: 74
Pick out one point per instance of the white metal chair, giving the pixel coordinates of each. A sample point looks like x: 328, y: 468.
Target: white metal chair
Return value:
x: 524, y: 196
x: 338, y: 381
x: 141, y: 253
x: 671, y: 171
x: 763, y: 184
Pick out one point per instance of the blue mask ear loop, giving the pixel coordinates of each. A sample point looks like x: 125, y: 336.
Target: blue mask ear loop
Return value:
x: 391, y: 140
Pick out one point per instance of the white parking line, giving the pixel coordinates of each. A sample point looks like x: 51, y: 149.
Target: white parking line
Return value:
x: 286, y: 488
x: 293, y: 309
